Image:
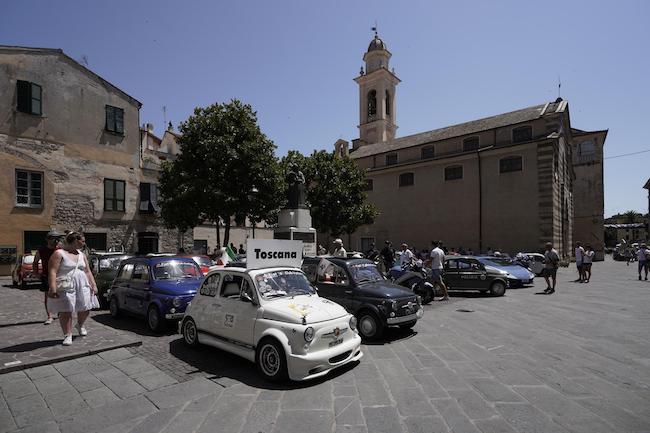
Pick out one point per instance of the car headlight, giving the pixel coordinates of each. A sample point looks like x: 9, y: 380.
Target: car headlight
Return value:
x: 309, y: 334
x: 418, y: 298
x: 176, y: 302
x: 353, y: 323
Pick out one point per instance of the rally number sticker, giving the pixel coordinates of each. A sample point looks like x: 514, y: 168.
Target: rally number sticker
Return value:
x: 229, y: 321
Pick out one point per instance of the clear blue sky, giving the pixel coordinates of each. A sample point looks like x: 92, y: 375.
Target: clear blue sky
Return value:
x: 294, y: 61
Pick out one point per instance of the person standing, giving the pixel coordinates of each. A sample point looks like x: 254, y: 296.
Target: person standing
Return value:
x: 70, y: 263
x: 551, y: 262
x: 643, y: 256
x: 587, y: 261
x: 388, y: 256
x: 43, y: 254
x: 372, y: 253
x: 339, y: 251
x: 241, y: 249
x: 580, y: 254
x: 406, y: 257
x: 437, y: 262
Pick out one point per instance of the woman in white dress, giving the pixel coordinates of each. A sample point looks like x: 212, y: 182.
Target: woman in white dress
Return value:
x: 70, y: 263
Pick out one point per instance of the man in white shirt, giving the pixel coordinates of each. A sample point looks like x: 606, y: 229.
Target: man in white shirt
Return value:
x: 587, y: 260
x: 437, y: 262
x: 551, y: 262
x: 642, y: 256
x: 339, y: 251
x: 406, y: 257
x: 580, y: 254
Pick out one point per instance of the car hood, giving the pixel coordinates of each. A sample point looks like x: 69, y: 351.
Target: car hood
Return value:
x: 496, y: 271
x: 517, y: 271
x: 382, y: 289
x: 292, y: 310
x: 186, y: 286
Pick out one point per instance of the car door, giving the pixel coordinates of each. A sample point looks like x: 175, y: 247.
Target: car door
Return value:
x: 138, y: 293
x: 452, y: 276
x: 235, y: 319
x: 205, y: 308
x: 334, y: 284
x: 121, y: 284
x: 536, y: 264
x: 470, y: 273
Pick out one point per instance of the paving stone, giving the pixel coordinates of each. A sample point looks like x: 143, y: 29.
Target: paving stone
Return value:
x: 455, y: 417
x: 551, y: 401
x: 615, y: 416
x: 226, y: 413
x: 526, y: 418
x: 270, y: 395
x: 99, y: 397
x: 185, y: 422
x: 108, y: 374
x: 380, y: 419
x: 494, y: 425
x: 154, y: 380
x: 133, y: 366
x: 41, y: 372
x: 170, y: 396
x: 12, y: 376
x: 296, y: 421
x: 373, y: 393
x: 94, y: 363
x: 261, y: 417
x: 30, y: 410
x: 562, y: 383
x: 6, y: 420
x: 430, y: 386
x: 157, y: 421
x: 18, y: 388
x: 124, y: 387
x: 347, y: 411
x: 318, y: 397
x: 115, y: 354
x: 473, y: 404
x: 53, y: 385
x: 46, y: 427
x: 105, y: 416
x: 613, y: 393
x: 412, y: 402
x: 351, y: 429
x: 85, y: 381
x: 468, y: 369
x: 449, y: 354
x: 448, y: 379
x: 494, y: 391
x: 66, y: 404
x: 69, y: 367
x: 426, y: 424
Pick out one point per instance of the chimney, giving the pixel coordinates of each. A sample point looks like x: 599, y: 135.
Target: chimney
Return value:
x: 150, y: 128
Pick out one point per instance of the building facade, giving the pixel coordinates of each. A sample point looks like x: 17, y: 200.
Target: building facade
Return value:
x: 71, y: 149
x: 505, y: 182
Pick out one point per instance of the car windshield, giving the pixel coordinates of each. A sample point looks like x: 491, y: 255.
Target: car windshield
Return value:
x: 203, y: 261
x: 496, y: 262
x: 169, y: 269
x: 364, y: 273
x: 283, y: 283
x: 28, y: 260
x: 111, y: 263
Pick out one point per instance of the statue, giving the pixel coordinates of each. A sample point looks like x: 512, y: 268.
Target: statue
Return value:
x: 296, y: 191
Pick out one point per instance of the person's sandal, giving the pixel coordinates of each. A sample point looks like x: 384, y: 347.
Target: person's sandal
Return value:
x: 67, y: 341
x: 48, y: 321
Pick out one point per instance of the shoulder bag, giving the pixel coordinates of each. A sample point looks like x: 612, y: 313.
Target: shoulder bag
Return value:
x: 64, y: 283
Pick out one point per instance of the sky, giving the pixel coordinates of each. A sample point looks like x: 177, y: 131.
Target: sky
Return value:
x: 294, y: 61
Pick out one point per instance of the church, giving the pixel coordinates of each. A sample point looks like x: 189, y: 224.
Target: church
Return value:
x: 509, y: 182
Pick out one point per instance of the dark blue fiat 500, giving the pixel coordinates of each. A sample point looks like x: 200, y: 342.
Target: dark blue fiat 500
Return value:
x: 157, y: 288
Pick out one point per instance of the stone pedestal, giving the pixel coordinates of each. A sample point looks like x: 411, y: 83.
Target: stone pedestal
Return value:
x: 295, y: 224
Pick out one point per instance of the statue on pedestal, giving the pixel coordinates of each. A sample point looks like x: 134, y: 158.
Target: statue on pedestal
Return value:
x: 296, y: 191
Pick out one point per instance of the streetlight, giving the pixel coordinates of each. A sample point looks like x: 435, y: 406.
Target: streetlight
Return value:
x: 251, y: 195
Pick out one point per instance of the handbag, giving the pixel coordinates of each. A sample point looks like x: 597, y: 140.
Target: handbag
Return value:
x: 94, y: 301
x: 64, y: 283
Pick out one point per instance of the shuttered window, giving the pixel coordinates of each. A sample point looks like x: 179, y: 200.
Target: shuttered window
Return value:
x: 114, y: 195
x: 29, y: 188
x: 391, y: 159
x: 454, y: 172
x: 114, y: 119
x: 148, y: 196
x: 406, y: 179
x: 510, y: 163
x: 427, y: 152
x: 29, y: 98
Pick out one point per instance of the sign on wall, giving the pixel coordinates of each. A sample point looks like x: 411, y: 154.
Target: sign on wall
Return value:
x: 263, y: 253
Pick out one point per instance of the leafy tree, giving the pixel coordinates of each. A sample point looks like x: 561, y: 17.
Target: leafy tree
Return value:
x: 632, y: 216
x: 226, y: 169
x: 335, y: 191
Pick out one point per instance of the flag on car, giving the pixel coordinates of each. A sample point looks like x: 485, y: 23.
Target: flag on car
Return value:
x: 231, y: 254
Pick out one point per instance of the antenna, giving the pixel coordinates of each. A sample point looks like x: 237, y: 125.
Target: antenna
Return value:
x: 164, y: 115
x: 559, y: 87
x: 374, y: 29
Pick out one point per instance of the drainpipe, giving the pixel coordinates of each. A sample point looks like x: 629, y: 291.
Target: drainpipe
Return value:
x: 480, y: 203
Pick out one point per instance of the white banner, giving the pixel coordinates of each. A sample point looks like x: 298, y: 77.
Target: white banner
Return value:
x: 264, y: 253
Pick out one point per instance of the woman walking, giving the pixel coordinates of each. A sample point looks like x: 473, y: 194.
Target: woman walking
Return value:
x: 72, y: 286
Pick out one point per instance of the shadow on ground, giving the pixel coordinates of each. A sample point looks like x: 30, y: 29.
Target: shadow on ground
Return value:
x: 132, y: 324
x: 32, y: 345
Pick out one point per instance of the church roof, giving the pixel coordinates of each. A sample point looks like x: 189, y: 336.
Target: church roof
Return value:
x: 471, y: 127
x: 376, y: 44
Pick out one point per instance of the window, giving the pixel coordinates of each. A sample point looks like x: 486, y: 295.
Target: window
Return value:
x: 372, y: 105
x: 454, y: 172
x: 148, y: 198
x: 510, y: 163
x: 147, y: 242
x: 29, y: 97
x: 96, y: 241
x: 406, y: 179
x: 587, y: 148
x: 114, y: 195
x: 427, y: 152
x: 231, y: 286
x: 391, y: 159
x: 114, y: 119
x: 387, y: 103
x: 470, y: 144
x: 369, y: 185
x: 521, y: 134
x: 333, y: 274
x: 140, y: 272
x: 126, y: 271
x: 29, y: 188
x: 210, y: 285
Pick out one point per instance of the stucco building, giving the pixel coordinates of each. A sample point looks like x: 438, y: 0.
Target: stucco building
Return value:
x: 509, y: 182
x: 73, y: 158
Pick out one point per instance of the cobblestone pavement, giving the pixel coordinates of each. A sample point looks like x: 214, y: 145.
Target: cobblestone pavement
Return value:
x: 574, y: 361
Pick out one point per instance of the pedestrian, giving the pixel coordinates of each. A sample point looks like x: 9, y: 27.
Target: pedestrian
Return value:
x: 241, y: 249
x: 372, y: 253
x: 551, y: 262
x: 71, y: 286
x: 587, y: 261
x: 43, y: 254
x: 580, y: 253
x: 470, y: 252
x: 437, y: 262
x: 388, y: 256
x: 643, y: 256
x: 233, y: 248
x: 406, y: 257
x: 339, y: 251
x: 462, y: 251
x: 489, y: 251
x: 321, y: 250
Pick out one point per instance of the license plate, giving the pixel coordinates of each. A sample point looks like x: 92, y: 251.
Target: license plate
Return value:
x: 336, y: 342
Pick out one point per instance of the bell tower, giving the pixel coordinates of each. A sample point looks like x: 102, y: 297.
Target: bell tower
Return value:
x: 377, y: 111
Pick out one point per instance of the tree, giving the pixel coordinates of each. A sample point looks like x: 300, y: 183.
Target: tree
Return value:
x: 631, y: 216
x: 227, y: 168
x: 335, y: 191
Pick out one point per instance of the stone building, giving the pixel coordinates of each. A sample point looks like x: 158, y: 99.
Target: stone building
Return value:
x: 509, y: 182
x: 72, y: 157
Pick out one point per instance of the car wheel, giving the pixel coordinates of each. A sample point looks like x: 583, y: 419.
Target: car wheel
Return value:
x: 408, y: 325
x: 424, y: 291
x: 271, y: 361
x: 190, y: 333
x: 369, y: 326
x: 498, y: 288
x: 113, y: 307
x: 155, y: 321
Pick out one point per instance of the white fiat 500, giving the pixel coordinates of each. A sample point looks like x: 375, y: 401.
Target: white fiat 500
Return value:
x: 273, y: 317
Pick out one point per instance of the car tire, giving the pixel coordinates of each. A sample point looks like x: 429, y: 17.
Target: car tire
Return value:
x: 408, y: 325
x: 155, y: 321
x: 498, y: 288
x: 190, y: 332
x: 271, y: 360
x: 114, y: 307
x: 369, y: 326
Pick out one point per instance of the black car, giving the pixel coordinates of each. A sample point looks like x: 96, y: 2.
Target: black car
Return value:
x: 357, y: 285
x: 468, y: 273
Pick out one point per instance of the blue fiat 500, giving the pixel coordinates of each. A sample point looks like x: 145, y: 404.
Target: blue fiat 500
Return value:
x: 157, y: 288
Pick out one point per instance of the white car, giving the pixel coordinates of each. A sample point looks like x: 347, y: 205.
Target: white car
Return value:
x: 272, y: 316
